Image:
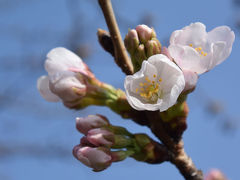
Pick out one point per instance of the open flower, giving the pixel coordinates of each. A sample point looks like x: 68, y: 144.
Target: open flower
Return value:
x: 198, y: 51
x: 156, y: 86
x: 65, y: 80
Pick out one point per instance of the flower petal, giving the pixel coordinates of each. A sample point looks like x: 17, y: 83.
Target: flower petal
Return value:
x: 43, y: 87
x: 62, y: 84
x: 194, y: 34
x: 219, y: 36
x: 61, y: 59
x: 189, y: 59
x: 158, y: 67
x: 191, y: 79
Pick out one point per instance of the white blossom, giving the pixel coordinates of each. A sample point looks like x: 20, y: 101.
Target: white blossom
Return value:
x: 196, y: 50
x: 64, y: 80
x: 156, y: 86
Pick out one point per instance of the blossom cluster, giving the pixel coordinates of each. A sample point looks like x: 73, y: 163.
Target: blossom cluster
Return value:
x: 163, y: 75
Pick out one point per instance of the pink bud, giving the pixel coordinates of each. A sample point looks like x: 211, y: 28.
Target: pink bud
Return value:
x: 131, y: 40
x: 96, y: 158
x: 100, y: 137
x: 83, y: 125
x: 145, y: 33
x: 215, y: 174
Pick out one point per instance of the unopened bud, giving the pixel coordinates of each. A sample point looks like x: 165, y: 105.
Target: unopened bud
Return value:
x: 215, y: 174
x: 83, y: 125
x: 96, y: 158
x: 145, y: 33
x: 100, y: 137
x: 131, y: 41
x: 153, y: 47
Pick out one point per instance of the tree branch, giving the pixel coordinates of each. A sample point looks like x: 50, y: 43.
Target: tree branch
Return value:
x: 121, y: 56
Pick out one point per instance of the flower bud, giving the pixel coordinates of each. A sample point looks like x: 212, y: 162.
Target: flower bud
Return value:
x: 97, y: 158
x: 145, y: 33
x: 83, y: 125
x: 66, y: 77
x: 153, y: 47
x: 100, y: 137
x: 141, y: 44
x: 215, y: 174
x: 131, y: 41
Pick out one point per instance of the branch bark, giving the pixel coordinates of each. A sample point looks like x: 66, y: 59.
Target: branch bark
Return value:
x: 121, y: 56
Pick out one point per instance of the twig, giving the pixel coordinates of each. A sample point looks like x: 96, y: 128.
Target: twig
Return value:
x: 121, y: 56
x: 179, y: 157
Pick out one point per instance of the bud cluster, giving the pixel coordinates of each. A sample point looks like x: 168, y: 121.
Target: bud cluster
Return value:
x: 141, y: 43
x: 104, y: 143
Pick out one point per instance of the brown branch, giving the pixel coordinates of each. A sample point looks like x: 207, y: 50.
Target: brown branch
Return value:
x: 179, y: 157
x: 121, y: 56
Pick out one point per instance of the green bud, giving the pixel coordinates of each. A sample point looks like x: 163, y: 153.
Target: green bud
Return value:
x: 153, y: 47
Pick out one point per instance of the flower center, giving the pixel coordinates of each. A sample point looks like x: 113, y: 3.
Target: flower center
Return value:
x: 199, y: 50
x: 150, y: 89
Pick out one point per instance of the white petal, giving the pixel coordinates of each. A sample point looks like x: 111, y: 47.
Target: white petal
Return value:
x: 189, y: 59
x: 158, y: 65
x: 64, y: 84
x: 218, y: 53
x: 43, y: 87
x: 194, y: 34
x: 191, y: 79
x: 61, y: 59
x: 218, y: 37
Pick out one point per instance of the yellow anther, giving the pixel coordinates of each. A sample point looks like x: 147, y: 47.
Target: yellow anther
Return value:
x: 202, y: 52
x: 199, y: 48
x: 205, y: 54
x: 190, y: 45
x: 160, y: 80
x: 147, y: 79
x: 153, y: 82
x: 136, y: 90
x: 154, y: 75
x: 141, y: 84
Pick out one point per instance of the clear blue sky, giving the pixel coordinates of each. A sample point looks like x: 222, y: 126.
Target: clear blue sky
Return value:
x: 29, y: 119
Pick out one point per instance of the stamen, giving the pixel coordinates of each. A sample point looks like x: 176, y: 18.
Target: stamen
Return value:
x: 149, y: 89
x: 199, y: 50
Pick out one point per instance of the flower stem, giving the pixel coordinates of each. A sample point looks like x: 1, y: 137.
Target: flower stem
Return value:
x: 121, y: 56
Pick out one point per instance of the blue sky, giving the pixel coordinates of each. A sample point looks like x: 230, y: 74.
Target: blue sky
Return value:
x: 28, y: 119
